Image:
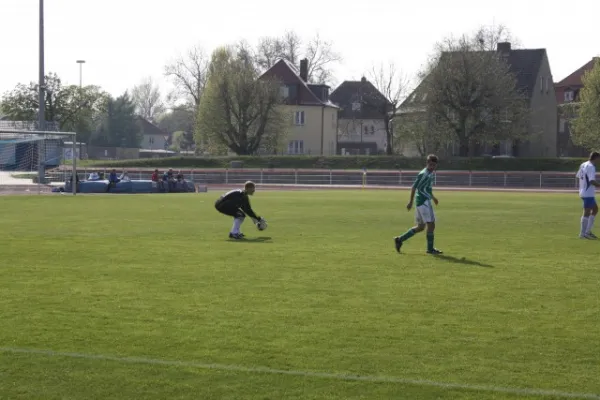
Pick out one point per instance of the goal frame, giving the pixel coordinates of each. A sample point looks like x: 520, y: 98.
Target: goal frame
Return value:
x: 42, y: 154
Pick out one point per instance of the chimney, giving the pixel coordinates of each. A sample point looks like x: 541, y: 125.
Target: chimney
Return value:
x: 504, y: 48
x: 363, y: 80
x: 304, y: 69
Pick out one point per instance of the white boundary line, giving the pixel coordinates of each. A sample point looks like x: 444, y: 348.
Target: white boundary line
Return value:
x: 306, y: 374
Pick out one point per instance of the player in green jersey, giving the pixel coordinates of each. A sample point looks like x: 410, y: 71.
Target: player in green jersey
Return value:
x: 425, y: 217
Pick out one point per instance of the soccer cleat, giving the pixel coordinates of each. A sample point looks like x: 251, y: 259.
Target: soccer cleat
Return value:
x: 236, y: 236
x: 398, y: 243
x: 591, y: 235
x: 435, y: 252
x: 588, y: 236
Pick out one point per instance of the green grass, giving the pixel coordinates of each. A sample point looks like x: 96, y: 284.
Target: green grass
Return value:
x: 155, y: 277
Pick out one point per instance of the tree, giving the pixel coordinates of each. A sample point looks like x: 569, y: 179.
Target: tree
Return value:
x: 391, y: 86
x: 412, y: 129
x: 320, y: 54
x: 188, y: 74
x: 238, y: 111
x: 72, y: 107
x: 148, y: 100
x: 181, y: 120
x: 470, y: 91
x: 585, y: 115
x: 118, y: 126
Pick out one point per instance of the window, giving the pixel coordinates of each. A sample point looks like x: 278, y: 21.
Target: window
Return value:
x: 542, y: 84
x: 569, y: 95
x: 299, y: 118
x: 372, y: 130
x: 296, y: 147
x: 563, y: 125
x: 284, y: 91
x: 151, y: 140
x: 356, y: 106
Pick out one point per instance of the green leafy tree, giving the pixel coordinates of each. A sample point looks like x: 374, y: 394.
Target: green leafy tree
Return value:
x: 72, y: 107
x: 585, y: 115
x: 117, y: 125
x: 238, y: 111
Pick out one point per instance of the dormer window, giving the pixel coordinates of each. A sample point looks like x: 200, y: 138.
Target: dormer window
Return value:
x: 569, y: 95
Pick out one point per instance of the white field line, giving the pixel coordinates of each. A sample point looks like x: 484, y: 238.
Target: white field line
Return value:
x: 307, y: 374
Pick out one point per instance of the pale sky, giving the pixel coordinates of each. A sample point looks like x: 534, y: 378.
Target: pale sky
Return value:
x: 124, y: 41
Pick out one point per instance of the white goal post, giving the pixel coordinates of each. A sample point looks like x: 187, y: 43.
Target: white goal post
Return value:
x: 27, y: 155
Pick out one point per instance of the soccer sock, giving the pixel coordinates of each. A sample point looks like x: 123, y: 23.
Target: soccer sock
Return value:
x: 408, y: 234
x: 237, y: 224
x: 590, y: 223
x: 430, y: 241
x: 584, y: 224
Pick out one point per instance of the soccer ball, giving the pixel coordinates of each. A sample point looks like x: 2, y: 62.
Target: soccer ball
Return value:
x: 261, y: 225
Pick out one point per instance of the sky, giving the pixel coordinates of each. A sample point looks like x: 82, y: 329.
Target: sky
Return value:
x: 124, y: 41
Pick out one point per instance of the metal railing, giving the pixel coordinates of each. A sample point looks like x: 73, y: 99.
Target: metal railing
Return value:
x: 474, y: 179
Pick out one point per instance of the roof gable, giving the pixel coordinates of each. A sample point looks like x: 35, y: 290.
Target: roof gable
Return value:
x: 363, y: 91
x: 148, y: 128
x: 524, y: 64
x: 574, y: 80
x: 288, y: 74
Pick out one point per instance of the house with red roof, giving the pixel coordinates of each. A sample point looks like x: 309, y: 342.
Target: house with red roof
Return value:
x: 567, y: 92
x: 313, y: 116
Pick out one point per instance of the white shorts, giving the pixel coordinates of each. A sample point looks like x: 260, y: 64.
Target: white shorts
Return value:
x: 424, y: 213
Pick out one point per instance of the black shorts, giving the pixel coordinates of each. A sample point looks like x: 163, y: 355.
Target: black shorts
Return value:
x: 229, y: 209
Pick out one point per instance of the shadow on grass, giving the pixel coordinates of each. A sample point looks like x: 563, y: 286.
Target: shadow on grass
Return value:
x: 462, y: 260
x: 261, y: 239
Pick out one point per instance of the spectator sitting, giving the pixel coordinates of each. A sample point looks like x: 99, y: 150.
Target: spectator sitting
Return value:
x: 94, y: 176
x: 155, y: 176
x: 112, y: 180
x: 169, y: 181
x: 124, y: 177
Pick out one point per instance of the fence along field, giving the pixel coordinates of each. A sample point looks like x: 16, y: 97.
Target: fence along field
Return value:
x: 462, y: 179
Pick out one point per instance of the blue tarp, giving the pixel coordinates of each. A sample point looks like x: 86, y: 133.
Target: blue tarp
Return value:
x: 138, y: 186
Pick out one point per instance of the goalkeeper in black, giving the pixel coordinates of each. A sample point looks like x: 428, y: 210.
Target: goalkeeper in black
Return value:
x: 236, y: 204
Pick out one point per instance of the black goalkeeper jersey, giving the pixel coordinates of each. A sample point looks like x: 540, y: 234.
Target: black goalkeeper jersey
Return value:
x: 237, y: 199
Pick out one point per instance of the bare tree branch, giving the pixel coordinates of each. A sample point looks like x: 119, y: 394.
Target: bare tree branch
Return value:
x: 148, y: 100
x: 188, y: 75
x: 393, y: 85
x: 320, y: 54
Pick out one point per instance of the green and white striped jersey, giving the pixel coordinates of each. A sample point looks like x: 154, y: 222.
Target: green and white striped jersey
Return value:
x: 423, y: 185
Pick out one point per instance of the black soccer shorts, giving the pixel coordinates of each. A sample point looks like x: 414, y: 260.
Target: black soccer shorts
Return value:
x: 229, y: 209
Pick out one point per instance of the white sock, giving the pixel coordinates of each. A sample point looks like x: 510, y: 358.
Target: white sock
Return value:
x: 590, y: 223
x: 237, y: 224
x: 584, y: 224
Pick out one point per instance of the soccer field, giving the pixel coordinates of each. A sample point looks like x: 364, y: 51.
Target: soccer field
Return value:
x: 144, y: 297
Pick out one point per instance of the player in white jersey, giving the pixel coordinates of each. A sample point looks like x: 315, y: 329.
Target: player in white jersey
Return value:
x: 587, y: 192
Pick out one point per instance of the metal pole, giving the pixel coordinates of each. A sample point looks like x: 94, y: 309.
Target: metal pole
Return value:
x: 41, y: 110
x: 42, y: 101
x: 74, y: 175
x: 80, y: 62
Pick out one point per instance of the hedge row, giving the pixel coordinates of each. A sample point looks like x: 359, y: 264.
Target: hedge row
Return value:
x: 347, y: 162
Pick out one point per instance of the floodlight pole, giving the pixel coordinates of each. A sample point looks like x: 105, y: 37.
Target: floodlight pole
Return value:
x: 80, y: 62
x: 42, y: 100
x: 41, y: 111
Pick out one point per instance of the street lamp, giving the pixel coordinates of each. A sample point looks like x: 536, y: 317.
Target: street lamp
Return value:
x: 80, y: 62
